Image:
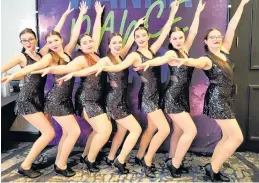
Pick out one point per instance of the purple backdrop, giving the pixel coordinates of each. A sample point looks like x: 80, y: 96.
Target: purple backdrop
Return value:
x: 119, y: 16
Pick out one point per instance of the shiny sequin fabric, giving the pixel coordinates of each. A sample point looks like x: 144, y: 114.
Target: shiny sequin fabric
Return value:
x: 59, y: 99
x: 31, y: 97
x: 177, y: 92
x: 89, y: 96
x: 219, y: 97
x: 116, y: 98
x: 148, y: 94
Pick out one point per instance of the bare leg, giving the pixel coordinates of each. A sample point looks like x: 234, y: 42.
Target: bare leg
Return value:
x: 117, y: 141
x: 131, y: 124
x: 71, y: 127
x: 40, y: 122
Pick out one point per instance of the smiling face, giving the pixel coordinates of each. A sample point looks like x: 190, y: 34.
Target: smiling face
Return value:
x: 28, y: 40
x: 141, y: 37
x: 177, y: 39
x: 86, y: 44
x: 54, y: 43
x: 115, y: 44
x: 213, y: 39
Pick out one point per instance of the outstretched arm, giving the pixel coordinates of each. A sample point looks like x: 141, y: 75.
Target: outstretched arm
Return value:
x: 200, y: 63
x: 130, y: 40
x: 44, y: 62
x: 158, y: 61
x: 76, y: 30
x: 227, y: 42
x: 194, y: 27
x: 93, y: 69
x: 17, y: 60
x: 166, y: 29
x: 96, y: 35
x: 130, y: 59
x: 45, y: 49
x: 75, y: 65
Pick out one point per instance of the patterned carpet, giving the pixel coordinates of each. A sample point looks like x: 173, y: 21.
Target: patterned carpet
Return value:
x: 242, y: 167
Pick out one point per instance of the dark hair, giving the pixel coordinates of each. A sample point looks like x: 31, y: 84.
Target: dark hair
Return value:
x: 24, y: 31
x: 109, y: 54
x: 141, y: 27
x: 55, y: 57
x: 170, y: 46
x: 90, y: 60
x: 223, y: 65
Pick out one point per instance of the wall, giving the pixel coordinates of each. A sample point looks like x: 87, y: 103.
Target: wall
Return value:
x: 16, y: 15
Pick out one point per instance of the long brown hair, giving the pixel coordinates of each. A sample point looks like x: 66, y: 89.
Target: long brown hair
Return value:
x: 90, y: 60
x: 24, y: 31
x: 223, y: 65
x: 55, y: 57
x: 170, y: 46
x: 109, y: 53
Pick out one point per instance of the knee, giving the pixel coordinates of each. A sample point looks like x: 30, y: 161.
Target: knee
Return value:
x: 75, y: 132
x: 165, y: 130
x: 238, y: 139
x: 191, y: 131
x: 50, y: 133
x: 136, y: 130
x: 106, y: 130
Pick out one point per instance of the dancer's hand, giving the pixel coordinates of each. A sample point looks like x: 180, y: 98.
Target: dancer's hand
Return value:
x: 174, y: 6
x: 244, y: 2
x: 64, y: 78
x: 143, y: 66
x: 141, y: 21
x: 69, y: 10
x: 83, y: 7
x: 200, y: 7
x: 7, y: 79
x: 99, y: 70
x: 98, y: 8
x: 177, y: 61
x: 43, y: 72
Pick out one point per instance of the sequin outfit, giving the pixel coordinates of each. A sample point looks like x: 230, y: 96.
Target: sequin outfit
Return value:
x: 31, y: 97
x: 219, y: 97
x: 89, y: 96
x: 148, y: 94
x: 116, y: 97
x: 59, y: 99
x: 177, y: 92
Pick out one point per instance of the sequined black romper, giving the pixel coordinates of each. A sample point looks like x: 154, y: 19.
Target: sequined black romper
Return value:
x: 59, y: 99
x: 88, y: 96
x: 148, y: 94
x: 31, y: 97
x: 177, y: 92
x: 219, y: 97
x: 116, y: 97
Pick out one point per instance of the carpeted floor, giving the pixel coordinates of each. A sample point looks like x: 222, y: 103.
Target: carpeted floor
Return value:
x: 242, y: 167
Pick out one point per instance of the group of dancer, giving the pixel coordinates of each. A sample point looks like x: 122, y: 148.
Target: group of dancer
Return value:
x: 55, y: 59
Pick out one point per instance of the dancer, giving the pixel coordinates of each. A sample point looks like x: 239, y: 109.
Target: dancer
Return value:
x: 116, y: 101
x: 219, y: 96
x: 58, y: 102
x: 30, y: 100
x: 176, y: 97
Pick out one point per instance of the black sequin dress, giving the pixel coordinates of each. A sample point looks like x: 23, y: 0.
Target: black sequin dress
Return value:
x: 89, y: 96
x: 148, y: 94
x: 177, y: 92
x: 219, y: 97
x: 30, y: 99
x: 59, y: 99
x: 116, y: 98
